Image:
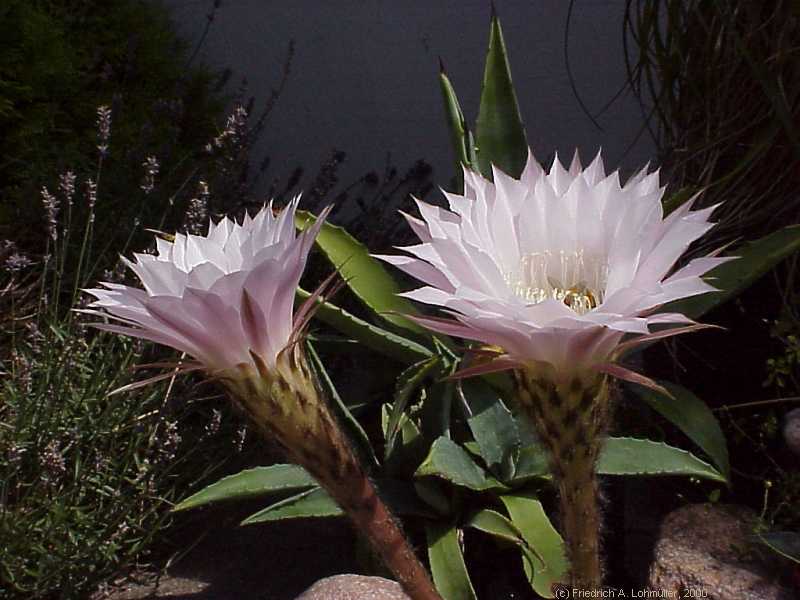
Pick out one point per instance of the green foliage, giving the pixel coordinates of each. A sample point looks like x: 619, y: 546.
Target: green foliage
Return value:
x: 86, y: 479
x: 64, y: 58
x: 499, y: 137
x: 544, y: 558
x: 631, y: 456
x: 250, y: 483
x: 451, y: 462
x: 754, y: 260
x: 446, y: 558
x: 736, y: 149
x: 365, y: 276
x: 499, y: 132
x: 692, y: 416
x: 311, y: 503
x: 783, y: 543
x: 371, y: 336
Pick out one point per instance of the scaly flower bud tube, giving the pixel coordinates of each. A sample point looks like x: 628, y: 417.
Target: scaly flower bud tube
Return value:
x: 558, y: 274
x: 226, y: 299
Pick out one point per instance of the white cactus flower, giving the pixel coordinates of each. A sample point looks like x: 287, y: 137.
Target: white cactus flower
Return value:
x: 220, y: 298
x: 556, y: 268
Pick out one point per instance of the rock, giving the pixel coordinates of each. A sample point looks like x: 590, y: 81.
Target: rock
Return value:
x: 354, y: 587
x: 707, y: 549
x: 791, y: 430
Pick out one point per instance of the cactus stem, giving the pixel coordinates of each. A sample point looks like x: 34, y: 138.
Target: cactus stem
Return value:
x: 287, y: 408
x: 571, y: 419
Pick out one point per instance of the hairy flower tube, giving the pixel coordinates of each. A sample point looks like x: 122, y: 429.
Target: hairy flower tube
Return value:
x: 227, y: 300
x: 557, y: 275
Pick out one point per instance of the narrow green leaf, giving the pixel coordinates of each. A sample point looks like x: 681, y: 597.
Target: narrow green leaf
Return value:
x: 353, y: 427
x: 373, y: 337
x: 630, y: 456
x: 401, y: 459
x: 407, y: 383
x: 755, y: 259
x: 450, y: 461
x: 497, y: 525
x: 499, y: 131
x: 364, y: 275
x: 785, y: 543
x: 546, y: 563
x: 447, y: 563
x: 459, y: 132
x: 692, y: 416
x: 311, y: 503
x: 493, y: 427
x: 250, y: 483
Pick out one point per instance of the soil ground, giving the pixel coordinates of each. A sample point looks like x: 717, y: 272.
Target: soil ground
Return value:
x: 270, y: 561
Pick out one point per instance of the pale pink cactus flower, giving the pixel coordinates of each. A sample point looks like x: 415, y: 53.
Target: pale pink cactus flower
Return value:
x: 220, y: 298
x: 556, y: 268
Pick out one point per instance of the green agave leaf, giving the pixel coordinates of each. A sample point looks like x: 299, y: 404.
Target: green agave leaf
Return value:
x: 755, y: 259
x: 364, y: 275
x: 532, y: 462
x: 353, y: 427
x: 631, y: 456
x: 447, y: 563
x: 499, y: 131
x: 624, y: 456
x: 785, y: 543
x: 436, y: 410
x: 460, y: 135
x: 546, y: 562
x: 387, y: 343
x: 400, y: 457
x: 434, y: 494
x: 692, y: 416
x: 250, y: 483
x: 311, y: 503
x: 500, y: 526
x: 450, y: 461
x: 407, y: 383
x: 403, y: 498
x: 493, y: 427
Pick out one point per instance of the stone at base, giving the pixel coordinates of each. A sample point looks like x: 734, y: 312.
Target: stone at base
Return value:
x: 354, y: 587
x: 707, y: 550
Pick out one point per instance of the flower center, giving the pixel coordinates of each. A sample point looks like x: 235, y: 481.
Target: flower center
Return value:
x: 577, y: 280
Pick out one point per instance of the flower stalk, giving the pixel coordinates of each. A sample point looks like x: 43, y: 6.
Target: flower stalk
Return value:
x: 285, y: 404
x: 571, y: 418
